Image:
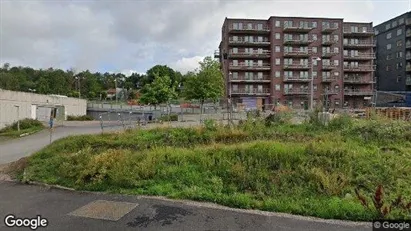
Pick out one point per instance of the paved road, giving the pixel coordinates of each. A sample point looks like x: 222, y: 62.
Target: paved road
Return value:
x: 150, y: 213
x: 12, y: 150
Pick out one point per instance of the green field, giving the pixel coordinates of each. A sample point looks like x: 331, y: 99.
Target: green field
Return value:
x: 306, y: 169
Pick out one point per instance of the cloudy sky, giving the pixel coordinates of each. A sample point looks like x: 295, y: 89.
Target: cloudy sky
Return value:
x: 134, y: 35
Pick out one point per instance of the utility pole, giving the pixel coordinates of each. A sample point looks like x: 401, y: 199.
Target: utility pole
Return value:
x: 115, y: 86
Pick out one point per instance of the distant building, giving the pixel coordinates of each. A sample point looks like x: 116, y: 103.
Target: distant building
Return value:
x: 273, y: 61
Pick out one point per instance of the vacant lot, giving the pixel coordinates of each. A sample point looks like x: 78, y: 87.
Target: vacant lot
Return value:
x: 306, y: 169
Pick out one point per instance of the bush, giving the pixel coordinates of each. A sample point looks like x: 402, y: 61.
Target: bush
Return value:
x: 80, y: 118
x: 24, y: 124
x: 172, y: 117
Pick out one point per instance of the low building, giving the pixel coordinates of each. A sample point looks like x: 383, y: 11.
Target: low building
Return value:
x: 16, y: 105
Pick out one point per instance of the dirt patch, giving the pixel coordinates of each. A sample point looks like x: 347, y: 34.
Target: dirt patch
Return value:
x: 10, y: 170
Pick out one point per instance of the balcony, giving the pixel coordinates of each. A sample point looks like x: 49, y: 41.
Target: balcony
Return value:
x: 254, y: 67
x: 288, y: 28
x: 296, y: 54
x: 328, y: 67
x: 354, y: 80
x: 328, y: 54
x: 265, y: 91
x: 408, y: 57
x: 217, y: 54
x: 408, y: 21
x: 243, y: 42
x: 408, y: 81
x: 328, y: 42
x: 408, y: 68
x: 296, y: 67
x: 330, y: 92
x: 408, y: 34
x: 295, y: 79
x: 361, y: 68
x: 255, y: 79
x: 297, y: 91
x: 254, y: 54
x: 358, y: 33
x: 408, y: 45
x: 328, y: 29
x: 297, y: 41
x: 360, y: 56
x: 328, y: 79
x: 361, y: 44
x: 358, y: 92
x: 249, y: 30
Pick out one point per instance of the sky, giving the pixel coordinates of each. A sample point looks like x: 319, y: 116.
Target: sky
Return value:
x: 133, y: 35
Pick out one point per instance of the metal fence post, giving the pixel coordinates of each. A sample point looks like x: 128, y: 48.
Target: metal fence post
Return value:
x: 101, y: 124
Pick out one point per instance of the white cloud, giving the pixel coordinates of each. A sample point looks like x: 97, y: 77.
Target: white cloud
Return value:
x: 187, y: 64
x: 136, y: 35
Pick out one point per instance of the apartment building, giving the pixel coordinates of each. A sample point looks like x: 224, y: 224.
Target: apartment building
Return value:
x: 394, y: 54
x: 273, y: 62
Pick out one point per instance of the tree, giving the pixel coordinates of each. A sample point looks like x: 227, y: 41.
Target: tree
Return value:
x: 162, y: 70
x: 206, y: 84
x: 157, y: 92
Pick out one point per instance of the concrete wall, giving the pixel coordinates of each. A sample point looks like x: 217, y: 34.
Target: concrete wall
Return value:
x: 26, y: 101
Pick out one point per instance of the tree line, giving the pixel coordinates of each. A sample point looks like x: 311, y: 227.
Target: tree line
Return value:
x: 158, y: 85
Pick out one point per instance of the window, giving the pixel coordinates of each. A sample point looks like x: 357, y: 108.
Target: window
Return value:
x: 336, y: 37
x: 401, y: 21
x: 235, y: 62
x: 277, y: 61
x: 314, y: 37
x: 345, y: 52
x: 399, y: 32
x: 235, y: 75
x: 315, y: 62
x: 399, y: 54
x: 336, y: 63
x: 277, y: 24
x: 250, y: 26
x: 314, y: 49
x: 235, y: 38
x: 336, y: 50
x: 389, y: 46
x: 399, y: 66
x: 235, y: 50
x: 389, y: 35
x: 235, y: 26
x: 277, y: 36
x: 314, y: 74
x: 336, y: 73
x: 260, y: 63
x: 235, y: 87
x: 288, y: 61
x: 260, y: 39
x: 240, y: 25
x: 335, y: 25
x: 260, y: 26
x: 260, y: 75
x: 394, y: 24
x: 314, y: 24
x: 388, y: 26
x: 389, y: 56
x: 399, y: 43
x: 277, y: 49
x: 278, y: 87
x: 315, y: 87
x: 376, y: 32
x: 399, y: 78
x: 277, y: 74
x: 388, y: 68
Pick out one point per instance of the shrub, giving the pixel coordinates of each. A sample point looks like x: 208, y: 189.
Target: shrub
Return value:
x: 80, y: 118
x: 24, y: 124
x: 172, y: 117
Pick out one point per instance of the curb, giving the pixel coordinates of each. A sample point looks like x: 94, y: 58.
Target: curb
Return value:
x: 211, y: 205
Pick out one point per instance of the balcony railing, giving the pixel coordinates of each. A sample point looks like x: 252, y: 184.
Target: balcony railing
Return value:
x: 328, y: 54
x: 408, y: 57
x: 255, y: 53
x: 255, y: 66
x: 329, y: 42
x: 296, y: 66
x: 217, y: 54
x: 358, y: 92
x: 297, y: 91
x: 295, y: 79
x: 408, y: 81
x: 296, y: 54
x: 360, y: 56
x: 248, y: 29
x: 408, y: 45
x: 292, y: 28
x: 360, y: 44
x: 263, y: 79
x: 408, y: 68
x: 328, y: 79
x: 297, y: 41
x: 264, y: 91
x: 360, y: 68
x: 360, y: 32
x: 328, y: 66
x: 354, y: 80
x: 330, y: 92
x: 408, y: 34
x: 329, y: 29
x: 248, y: 42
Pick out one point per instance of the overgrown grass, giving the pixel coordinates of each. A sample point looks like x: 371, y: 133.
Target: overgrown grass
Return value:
x: 80, y: 118
x: 307, y: 169
x: 26, y: 126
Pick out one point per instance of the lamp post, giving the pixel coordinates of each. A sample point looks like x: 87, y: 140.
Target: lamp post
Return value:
x: 312, y: 82
x: 115, y: 87
x: 79, y: 87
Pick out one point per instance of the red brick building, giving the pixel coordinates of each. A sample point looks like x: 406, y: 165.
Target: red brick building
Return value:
x: 272, y: 61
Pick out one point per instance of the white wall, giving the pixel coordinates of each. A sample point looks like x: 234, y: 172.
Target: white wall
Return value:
x: 8, y: 100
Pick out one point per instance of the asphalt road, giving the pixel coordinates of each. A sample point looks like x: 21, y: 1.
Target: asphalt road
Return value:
x: 12, y: 150
x: 150, y: 213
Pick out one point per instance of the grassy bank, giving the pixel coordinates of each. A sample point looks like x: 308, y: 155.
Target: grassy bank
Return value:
x: 26, y: 126
x: 306, y: 169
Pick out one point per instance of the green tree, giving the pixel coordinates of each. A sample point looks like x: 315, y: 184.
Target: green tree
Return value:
x: 206, y: 84
x: 162, y: 70
x: 157, y: 92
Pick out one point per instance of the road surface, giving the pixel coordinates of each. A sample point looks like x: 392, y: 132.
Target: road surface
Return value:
x: 60, y: 208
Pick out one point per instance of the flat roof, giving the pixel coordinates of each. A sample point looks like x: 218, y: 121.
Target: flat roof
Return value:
x: 401, y: 15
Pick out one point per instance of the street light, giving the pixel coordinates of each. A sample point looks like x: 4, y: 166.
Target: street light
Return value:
x: 312, y: 82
